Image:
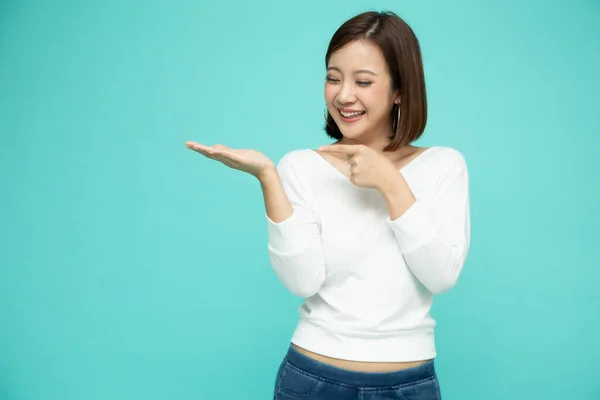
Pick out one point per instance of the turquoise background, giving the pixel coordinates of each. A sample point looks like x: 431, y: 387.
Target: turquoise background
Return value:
x: 133, y: 268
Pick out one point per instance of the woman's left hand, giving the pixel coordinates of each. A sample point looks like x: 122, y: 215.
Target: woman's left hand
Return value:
x: 368, y: 168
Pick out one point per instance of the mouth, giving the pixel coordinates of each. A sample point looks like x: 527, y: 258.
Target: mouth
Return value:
x: 351, y: 116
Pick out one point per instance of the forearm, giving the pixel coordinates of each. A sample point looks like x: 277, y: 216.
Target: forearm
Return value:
x: 432, y: 233
x: 277, y: 204
x: 295, y: 249
x: 397, y: 195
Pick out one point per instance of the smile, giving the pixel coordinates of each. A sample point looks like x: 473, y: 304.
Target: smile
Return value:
x: 351, y: 116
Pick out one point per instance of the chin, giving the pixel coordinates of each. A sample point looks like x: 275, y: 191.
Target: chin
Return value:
x: 351, y: 136
x: 352, y: 133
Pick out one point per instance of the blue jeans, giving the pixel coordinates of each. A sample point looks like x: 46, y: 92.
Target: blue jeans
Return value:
x: 301, y: 377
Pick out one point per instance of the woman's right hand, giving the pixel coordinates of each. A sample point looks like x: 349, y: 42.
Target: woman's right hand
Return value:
x: 246, y: 160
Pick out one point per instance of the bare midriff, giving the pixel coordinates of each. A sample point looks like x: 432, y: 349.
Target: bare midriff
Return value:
x: 359, y: 366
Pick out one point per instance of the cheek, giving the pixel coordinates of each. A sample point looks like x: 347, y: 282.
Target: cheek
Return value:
x: 330, y: 93
x: 376, y: 101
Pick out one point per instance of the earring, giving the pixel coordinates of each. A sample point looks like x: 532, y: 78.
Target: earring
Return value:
x: 396, y: 111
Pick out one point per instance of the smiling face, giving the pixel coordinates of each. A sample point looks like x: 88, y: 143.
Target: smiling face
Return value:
x: 359, y: 94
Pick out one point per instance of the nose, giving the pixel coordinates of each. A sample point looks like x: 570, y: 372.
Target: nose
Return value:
x: 346, y: 93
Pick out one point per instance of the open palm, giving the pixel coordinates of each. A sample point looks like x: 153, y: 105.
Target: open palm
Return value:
x: 246, y: 160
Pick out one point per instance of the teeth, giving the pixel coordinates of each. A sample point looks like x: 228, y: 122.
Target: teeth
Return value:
x: 356, y: 114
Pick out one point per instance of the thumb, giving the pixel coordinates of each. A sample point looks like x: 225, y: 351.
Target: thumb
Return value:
x: 221, y: 147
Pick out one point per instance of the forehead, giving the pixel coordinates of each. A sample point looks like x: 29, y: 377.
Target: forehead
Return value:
x: 359, y: 54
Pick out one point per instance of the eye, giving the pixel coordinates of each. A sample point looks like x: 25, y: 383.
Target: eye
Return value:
x: 330, y: 79
x: 364, y: 83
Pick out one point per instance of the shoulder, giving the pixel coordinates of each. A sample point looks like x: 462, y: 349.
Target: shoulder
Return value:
x: 297, y: 163
x: 298, y: 159
x: 296, y: 169
x: 446, y: 158
x: 297, y: 156
x: 438, y: 164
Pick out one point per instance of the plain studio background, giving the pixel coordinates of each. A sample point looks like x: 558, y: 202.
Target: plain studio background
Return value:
x: 133, y: 268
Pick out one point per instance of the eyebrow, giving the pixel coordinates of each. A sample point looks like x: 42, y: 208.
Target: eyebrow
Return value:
x: 366, y: 71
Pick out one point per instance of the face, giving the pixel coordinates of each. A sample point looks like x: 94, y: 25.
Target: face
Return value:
x: 359, y: 93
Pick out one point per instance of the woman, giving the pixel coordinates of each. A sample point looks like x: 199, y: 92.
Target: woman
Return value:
x: 367, y: 230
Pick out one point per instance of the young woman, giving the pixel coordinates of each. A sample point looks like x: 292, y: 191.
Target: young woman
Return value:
x: 368, y: 229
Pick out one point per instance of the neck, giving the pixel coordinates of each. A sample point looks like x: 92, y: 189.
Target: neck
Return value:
x: 378, y: 142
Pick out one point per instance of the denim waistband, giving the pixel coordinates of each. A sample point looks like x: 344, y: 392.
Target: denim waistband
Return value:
x: 358, y: 378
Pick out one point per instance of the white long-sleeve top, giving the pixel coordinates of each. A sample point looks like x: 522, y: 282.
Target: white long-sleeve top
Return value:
x: 368, y: 281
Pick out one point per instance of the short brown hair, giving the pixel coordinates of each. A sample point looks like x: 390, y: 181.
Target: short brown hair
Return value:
x: 402, y: 54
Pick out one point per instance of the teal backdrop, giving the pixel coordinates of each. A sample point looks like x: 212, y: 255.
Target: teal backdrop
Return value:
x: 133, y: 268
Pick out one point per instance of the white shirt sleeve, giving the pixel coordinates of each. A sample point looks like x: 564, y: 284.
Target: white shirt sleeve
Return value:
x: 434, y: 234
x: 295, y: 248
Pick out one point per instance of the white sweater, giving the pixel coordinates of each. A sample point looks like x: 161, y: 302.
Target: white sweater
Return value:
x: 368, y: 282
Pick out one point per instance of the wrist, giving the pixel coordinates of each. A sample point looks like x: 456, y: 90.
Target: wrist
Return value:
x: 268, y: 174
x: 393, y: 185
x: 397, y: 195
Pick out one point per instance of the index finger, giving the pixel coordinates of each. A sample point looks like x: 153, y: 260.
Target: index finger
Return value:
x: 342, y: 148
